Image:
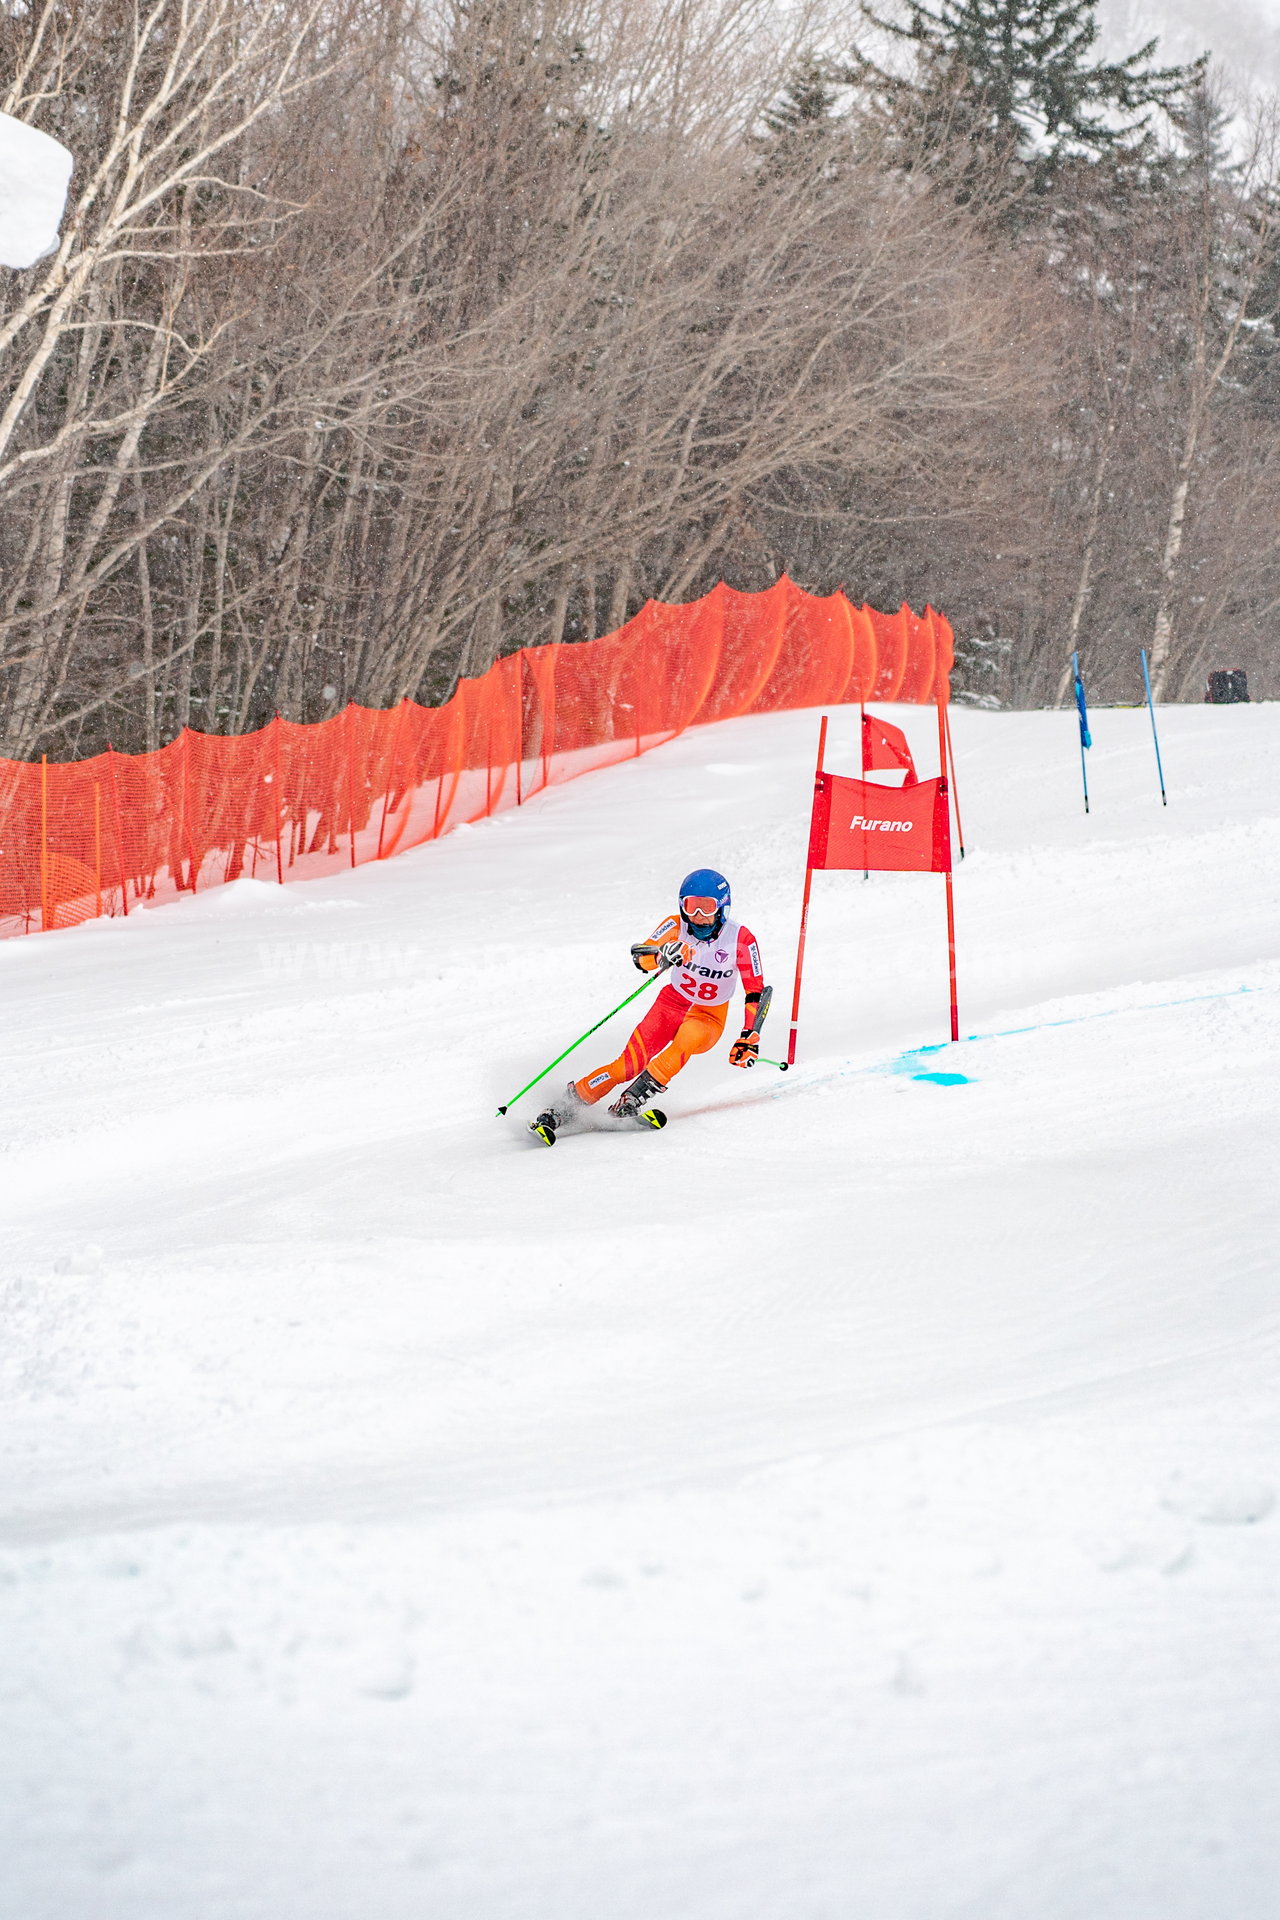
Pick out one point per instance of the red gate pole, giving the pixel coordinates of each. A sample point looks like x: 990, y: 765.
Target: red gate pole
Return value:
x: 951, y: 956
x: 955, y: 790
x: 943, y: 742
x: 804, y: 910
x: 862, y: 749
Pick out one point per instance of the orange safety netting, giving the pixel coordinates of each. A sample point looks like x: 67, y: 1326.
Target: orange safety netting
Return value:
x: 293, y: 801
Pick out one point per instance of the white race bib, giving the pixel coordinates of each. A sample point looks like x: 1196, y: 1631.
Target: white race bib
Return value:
x: 710, y: 974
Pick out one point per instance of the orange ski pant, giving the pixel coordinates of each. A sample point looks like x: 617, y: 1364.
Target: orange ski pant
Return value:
x: 670, y: 1034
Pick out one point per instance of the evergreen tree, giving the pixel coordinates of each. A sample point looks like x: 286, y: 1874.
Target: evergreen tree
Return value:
x: 1015, y: 81
x: 799, y: 127
x: 808, y: 99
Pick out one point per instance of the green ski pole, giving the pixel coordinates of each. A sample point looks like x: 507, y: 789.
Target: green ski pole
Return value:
x: 583, y: 1036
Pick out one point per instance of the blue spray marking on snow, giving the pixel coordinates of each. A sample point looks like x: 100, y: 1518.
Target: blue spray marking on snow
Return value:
x: 903, y: 1062
x: 1109, y: 1013
x: 906, y: 1063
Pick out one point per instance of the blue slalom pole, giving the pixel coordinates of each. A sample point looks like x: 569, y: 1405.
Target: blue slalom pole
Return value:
x: 1085, y: 737
x: 1151, y: 709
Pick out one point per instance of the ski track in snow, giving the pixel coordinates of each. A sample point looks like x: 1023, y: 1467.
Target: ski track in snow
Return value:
x: 859, y: 1500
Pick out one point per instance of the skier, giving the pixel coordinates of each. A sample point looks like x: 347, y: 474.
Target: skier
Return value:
x: 705, y: 952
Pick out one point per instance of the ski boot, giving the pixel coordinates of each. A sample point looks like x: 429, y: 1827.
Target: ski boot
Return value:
x: 632, y: 1105
x: 549, y: 1123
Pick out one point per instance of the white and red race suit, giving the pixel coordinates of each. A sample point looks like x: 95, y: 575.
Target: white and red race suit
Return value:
x: 689, y: 1013
x: 711, y: 968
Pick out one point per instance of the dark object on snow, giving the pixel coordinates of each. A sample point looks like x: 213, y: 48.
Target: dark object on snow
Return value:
x: 1226, y: 686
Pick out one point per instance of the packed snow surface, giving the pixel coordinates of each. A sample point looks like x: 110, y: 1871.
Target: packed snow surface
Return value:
x: 857, y: 1502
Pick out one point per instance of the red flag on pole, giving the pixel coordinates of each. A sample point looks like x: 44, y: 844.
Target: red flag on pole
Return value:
x: 885, y: 749
x: 859, y: 824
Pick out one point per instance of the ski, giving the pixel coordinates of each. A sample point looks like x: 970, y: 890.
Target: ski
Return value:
x: 545, y: 1132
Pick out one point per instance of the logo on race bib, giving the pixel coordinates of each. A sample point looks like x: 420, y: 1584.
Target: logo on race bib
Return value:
x: 881, y: 826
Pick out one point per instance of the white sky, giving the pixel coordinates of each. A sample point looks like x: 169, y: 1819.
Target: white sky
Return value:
x: 1243, y: 34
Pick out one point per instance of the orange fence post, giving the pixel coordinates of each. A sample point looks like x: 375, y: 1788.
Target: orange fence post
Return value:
x: 435, y: 819
x: 186, y: 806
x: 351, y: 789
x: 546, y: 750
x: 44, y: 843
x: 97, y: 845
x: 391, y: 771
x: 518, y: 677
x: 279, y: 855
x: 115, y: 807
x: 488, y: 750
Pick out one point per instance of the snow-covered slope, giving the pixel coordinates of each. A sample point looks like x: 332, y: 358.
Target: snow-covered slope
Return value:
x: 857, y: 1500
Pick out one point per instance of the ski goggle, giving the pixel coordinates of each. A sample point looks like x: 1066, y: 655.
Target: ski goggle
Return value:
x: 700, y: 909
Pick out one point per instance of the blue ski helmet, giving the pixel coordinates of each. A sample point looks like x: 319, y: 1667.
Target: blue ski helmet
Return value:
x: 704, y: 902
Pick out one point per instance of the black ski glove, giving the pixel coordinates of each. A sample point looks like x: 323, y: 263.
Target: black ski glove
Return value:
x: 650, y: 958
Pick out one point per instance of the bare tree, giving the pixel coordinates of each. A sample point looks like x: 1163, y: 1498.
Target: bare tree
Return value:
x: 386, y: 338
x: 1224, y: 241
x: 113, y: 342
